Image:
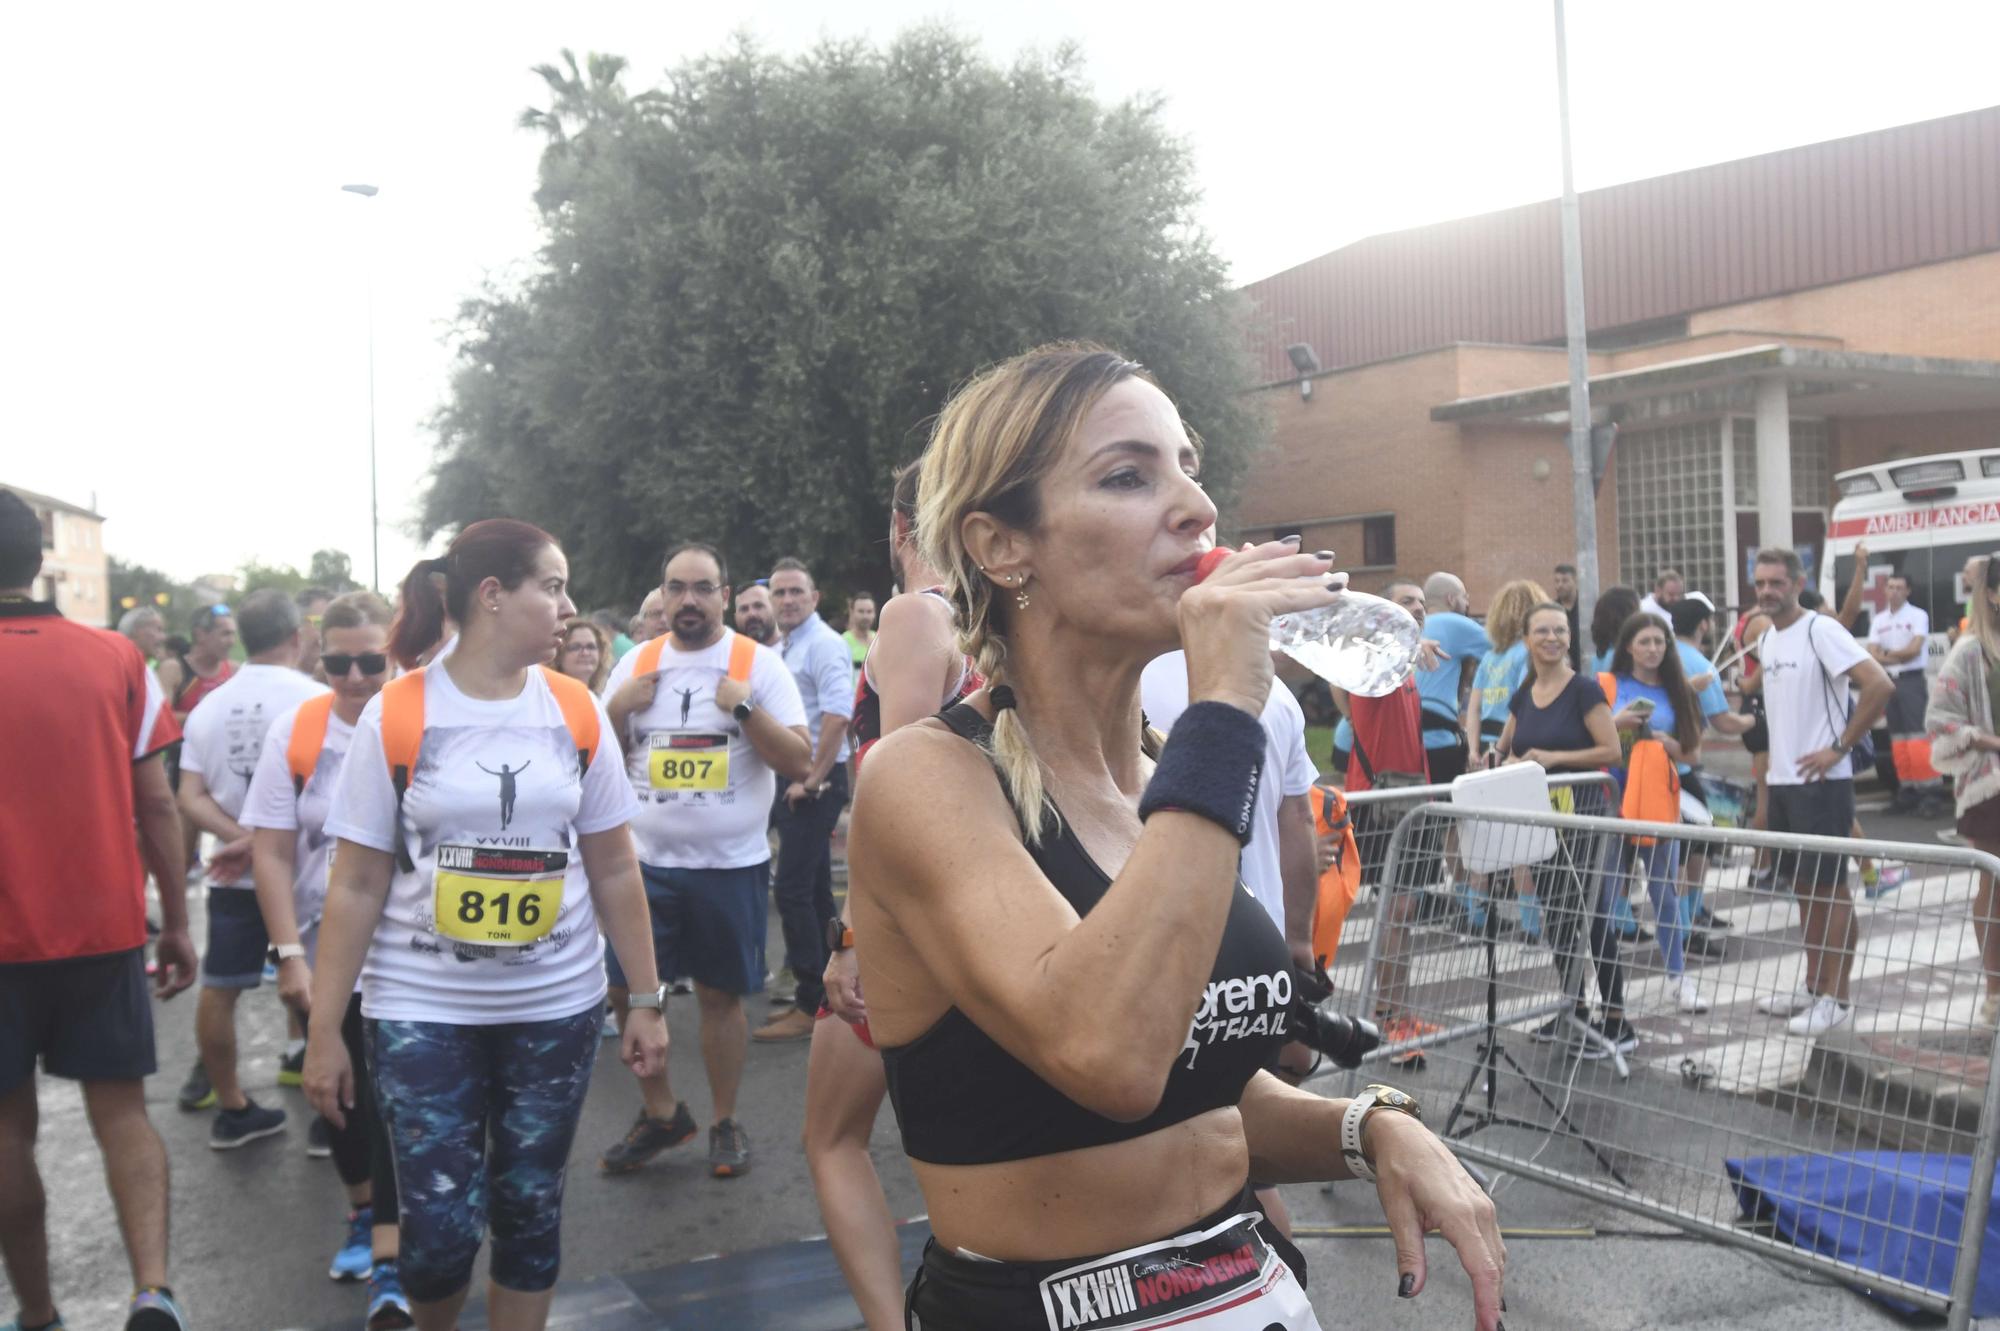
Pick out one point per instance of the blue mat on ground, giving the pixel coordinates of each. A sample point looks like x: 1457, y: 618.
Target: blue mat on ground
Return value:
x: 1894, y: 1213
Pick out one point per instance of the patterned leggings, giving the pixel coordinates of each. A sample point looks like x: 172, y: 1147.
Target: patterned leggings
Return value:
x: 480, y: 1119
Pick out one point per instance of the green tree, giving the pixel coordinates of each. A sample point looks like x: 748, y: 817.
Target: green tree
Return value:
x: 252, y: 576
x: 760, y: 282
x: 333, y: 570
x: 134, y: 585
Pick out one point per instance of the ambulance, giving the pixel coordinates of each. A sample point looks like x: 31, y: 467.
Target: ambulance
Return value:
x: 1921, y: 517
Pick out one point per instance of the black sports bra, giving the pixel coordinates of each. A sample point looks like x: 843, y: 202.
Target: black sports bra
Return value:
x: 961, y: 1099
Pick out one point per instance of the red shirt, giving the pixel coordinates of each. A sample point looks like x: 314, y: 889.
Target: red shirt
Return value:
x: 78, y: 708
x: 1390, y: 731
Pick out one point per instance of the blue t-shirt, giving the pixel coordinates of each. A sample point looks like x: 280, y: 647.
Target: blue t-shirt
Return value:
x: 1462, y: 640
x: 1663, y: 719
x: 1495, y: 682
x: 1694, y: 665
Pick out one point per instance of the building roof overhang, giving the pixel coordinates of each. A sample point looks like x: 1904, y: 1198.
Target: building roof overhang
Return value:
x: 1820, y: 383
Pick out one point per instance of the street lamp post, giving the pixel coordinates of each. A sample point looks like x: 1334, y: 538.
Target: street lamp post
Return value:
x: 374, y: 508
x: 1583, y: 486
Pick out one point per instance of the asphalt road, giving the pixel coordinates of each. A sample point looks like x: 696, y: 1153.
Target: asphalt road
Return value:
x: 254, y: 1228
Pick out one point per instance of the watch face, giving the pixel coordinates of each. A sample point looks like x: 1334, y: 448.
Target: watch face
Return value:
x: 1391, y: 1098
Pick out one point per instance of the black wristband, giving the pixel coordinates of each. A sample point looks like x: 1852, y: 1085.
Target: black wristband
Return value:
x: 1211, y: 766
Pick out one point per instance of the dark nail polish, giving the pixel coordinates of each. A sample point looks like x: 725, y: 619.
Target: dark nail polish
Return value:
x: 1406, y: 1287
x: 1327, y: 555
x: 1292, y: 540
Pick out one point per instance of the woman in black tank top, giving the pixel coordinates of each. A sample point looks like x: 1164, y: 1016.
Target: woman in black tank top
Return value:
x: 1074, y: 998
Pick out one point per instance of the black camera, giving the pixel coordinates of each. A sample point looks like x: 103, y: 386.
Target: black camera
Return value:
x: 1335, y: 1035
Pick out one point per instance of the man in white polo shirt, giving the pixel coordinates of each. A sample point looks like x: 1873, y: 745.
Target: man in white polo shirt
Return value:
x: 1897, y: 638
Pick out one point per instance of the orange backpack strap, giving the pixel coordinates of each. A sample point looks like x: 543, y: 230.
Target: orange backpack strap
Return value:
x: 1340, y: 883
x: 402, y: 737
x: 646, y: 656
x: 1609, y: 683
x: 308, y: 738
x: 742, y: 655
x: 579, y: 712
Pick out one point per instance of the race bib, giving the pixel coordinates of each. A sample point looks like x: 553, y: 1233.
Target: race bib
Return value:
x: 498, y: 894
x: 688, y: 760
x: 1226, y: 1279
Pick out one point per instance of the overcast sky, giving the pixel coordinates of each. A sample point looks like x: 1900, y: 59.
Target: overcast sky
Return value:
x: 185, y: 326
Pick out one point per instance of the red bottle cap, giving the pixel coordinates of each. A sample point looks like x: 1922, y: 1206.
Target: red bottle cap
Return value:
x: 1208, y: 563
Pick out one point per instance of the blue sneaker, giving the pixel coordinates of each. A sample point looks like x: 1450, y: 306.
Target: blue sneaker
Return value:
x: 1531, y: 919
x: 388, y: 1309
x: 16, y: 1325
x: 355, y: 1258
x: 1474, y: 905
x: 154, y: 1309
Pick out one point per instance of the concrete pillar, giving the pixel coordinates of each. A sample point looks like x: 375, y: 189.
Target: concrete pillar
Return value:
x: 1774, y: 462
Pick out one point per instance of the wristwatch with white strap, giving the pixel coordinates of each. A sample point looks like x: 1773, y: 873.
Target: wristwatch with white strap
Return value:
x: 1371, y: 1099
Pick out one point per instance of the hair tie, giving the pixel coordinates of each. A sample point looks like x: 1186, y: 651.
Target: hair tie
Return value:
x: 1002, y: 698
x: 442, y: 564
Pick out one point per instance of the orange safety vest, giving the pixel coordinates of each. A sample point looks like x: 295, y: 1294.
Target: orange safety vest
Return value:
x: 1652, y: 782
x: 1341, y: 882
x: 403, y: 733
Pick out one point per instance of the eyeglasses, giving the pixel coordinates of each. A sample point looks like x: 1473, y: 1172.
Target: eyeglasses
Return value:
x: 701, y: 589
x: 339, y: 663
x: 1561, y: 631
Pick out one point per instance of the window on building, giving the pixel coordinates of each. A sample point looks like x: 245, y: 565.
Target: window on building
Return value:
x: 1378, y: 541
x: 1670, y: 505
x: 48, y: 516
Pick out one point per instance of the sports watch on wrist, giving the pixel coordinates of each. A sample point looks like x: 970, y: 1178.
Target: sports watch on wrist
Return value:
x: 657, y: 1000
x: 741, y: 711
x: 1371, y: 1099
x: 839, y: 938
x: 286, y: 951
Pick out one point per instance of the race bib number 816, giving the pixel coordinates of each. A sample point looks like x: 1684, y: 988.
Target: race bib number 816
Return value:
x: 496, y: 894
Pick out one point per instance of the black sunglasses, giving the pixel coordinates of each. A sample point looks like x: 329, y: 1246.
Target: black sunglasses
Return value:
x: 339, y: 663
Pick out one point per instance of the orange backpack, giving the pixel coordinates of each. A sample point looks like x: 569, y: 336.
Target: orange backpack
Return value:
x: 1341, y: 882
x: 308, y: 738
x: 403, y: 733
x: 742, y: 653
x: 1652, y: 782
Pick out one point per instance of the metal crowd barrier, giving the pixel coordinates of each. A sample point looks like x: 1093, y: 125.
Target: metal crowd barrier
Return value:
x: 1708, y: 1098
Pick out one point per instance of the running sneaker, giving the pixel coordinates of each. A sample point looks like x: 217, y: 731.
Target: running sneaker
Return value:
x: 781, y: 988
x: 236, y: 1127
x: 728, y: 1149
x: 648, y: 1137
x: 319, y: 1138
x: 609, y: 1030
x: 196, y: 1092
x: 1689, y: 999
x: 388, y: 1307
x: 682, y: 986
x: 1870, y: 876
x: 291, y: 1068
x: 1402, y: 1030
x: 1887, y: 879
x: 1785, y: 1005
x: 1704, y: 918
x: 154, y: 1309
x: 1764, y: 879
x: 1619, y: 1034
x: 18, y: 1325
x: 270, y: 972
x: 1558, y: 1028
x: 1531, y: 920
x: 356, y: 1258
x: 1824, y: 1014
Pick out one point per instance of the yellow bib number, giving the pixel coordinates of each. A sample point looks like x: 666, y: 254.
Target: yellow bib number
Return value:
x: 498, y: 894
x: 688, y: 760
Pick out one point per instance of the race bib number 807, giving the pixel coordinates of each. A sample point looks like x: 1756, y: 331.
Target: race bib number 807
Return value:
x: 497, y: 894
x: 688, y: 760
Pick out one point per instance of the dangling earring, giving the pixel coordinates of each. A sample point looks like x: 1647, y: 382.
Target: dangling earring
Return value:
x: 1021, y: 596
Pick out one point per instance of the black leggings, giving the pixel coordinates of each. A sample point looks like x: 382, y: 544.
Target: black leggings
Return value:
x: 1565, y: 883
x: 361, y: 1149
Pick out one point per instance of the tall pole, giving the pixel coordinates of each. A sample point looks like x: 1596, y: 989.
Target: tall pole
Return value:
x: 374, y: 506
x: 1583, y: 489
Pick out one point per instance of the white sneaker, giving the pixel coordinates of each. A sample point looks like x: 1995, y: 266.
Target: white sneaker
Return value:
x: 1690, y: 996
x: 1785, y: 1005
x: 1821, y: 1017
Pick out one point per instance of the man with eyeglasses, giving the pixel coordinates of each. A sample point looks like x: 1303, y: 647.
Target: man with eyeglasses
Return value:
x: 707, y: 730
x: 807, y: 813
x: 225, y: 735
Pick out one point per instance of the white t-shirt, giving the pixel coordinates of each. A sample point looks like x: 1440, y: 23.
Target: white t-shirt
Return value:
x: 1805, y: 698
x: 225, y: 735
x: 271, y: 804
x: 1894, y: 630
x: 1288, y: 769
x: 704, y: 793
x: 495, y: 789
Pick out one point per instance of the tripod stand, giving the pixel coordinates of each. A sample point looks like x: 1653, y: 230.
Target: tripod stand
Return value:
x: 1493, y: 1054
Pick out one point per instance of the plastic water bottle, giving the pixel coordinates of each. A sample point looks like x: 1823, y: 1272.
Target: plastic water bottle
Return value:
x: 1361, y: 643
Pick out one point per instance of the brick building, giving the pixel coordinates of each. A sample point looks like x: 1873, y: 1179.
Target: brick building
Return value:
x: 1754, y: 327
x: 75, y: 570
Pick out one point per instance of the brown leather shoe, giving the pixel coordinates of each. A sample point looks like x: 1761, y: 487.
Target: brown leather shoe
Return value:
x: 792, y: 1025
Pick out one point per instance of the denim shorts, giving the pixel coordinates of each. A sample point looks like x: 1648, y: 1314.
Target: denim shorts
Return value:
x: 237, y: 942
x: 708, y: 926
